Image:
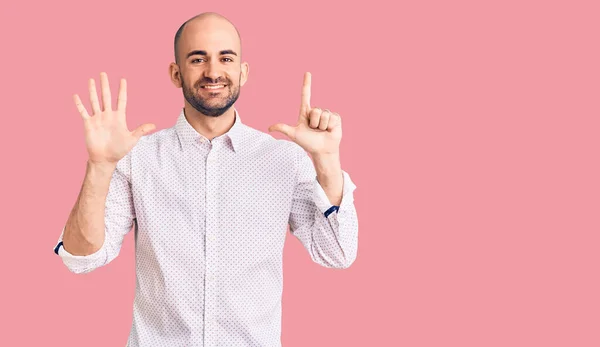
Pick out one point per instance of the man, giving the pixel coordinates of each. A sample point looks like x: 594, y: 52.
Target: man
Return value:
x: 210, y: 199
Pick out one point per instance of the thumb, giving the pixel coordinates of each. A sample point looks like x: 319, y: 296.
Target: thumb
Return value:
x: 284, y: 129
x: 143, y: 129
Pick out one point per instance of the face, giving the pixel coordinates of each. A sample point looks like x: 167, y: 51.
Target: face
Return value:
x: 211, y: 96
x: 210, y: 71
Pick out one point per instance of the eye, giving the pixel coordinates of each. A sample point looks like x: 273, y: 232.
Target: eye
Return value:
x: 228, y: 59
x: 195, y: 60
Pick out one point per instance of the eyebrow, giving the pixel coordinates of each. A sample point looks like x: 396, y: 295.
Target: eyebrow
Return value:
x: 201, y: 52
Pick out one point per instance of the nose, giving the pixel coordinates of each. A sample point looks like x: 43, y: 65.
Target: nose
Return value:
x: 212, y: 71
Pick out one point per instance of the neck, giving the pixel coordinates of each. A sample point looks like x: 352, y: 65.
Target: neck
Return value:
x: 209, y: 127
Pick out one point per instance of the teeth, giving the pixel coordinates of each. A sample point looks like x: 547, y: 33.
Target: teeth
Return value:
x: 214, y: 87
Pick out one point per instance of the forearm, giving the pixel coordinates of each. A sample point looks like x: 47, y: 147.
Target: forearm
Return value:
x: 330, y: 238
x: 329, y: 175
x: 84, y: 230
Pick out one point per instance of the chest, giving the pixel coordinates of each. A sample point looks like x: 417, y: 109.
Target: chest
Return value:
x: 178, y: 192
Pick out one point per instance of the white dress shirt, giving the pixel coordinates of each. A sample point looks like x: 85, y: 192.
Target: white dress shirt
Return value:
x: 210, y: 219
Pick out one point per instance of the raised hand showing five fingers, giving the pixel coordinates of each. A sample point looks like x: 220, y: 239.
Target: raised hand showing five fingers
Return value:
x: 317, y: 131
x: 107, y: 137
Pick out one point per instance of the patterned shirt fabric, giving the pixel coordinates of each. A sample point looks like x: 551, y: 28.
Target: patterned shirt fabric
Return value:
x: 210, y: 219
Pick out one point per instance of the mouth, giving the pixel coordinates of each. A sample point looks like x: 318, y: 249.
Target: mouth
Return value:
x: 213, y: 86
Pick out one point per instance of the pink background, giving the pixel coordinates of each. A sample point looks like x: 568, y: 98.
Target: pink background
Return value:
x: 470, y: 129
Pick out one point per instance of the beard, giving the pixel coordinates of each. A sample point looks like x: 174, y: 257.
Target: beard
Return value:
x: 214, y: 105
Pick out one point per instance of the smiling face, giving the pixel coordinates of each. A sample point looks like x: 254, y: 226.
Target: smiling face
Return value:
x: 209, y: 67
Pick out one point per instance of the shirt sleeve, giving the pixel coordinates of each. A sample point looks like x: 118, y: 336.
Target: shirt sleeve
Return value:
x: 329, y: 233
x: 119, y: 217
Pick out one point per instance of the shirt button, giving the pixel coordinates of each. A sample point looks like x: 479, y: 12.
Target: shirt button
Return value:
x: 211, y: 237
x: 210, y: 277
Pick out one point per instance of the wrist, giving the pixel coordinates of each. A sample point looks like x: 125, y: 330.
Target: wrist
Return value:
x: 104, y: 167
x: 328, y: 168
x: 326, y: 157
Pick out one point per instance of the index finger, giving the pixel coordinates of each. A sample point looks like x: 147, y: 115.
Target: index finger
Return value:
x: 305, y: 105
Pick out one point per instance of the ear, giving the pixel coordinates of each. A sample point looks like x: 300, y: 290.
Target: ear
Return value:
x: 175, y: 75
x: 244, y: 75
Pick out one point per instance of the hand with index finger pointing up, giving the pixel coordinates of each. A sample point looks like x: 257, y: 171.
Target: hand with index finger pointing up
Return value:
x: 317, y: 131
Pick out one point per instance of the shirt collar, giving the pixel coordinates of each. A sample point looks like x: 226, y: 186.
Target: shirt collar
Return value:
x: 188, y: 136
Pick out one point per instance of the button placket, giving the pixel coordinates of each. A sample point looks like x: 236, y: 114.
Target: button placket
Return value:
x: 211, y: 246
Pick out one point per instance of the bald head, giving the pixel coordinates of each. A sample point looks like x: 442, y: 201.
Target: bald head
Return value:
x: 203, y: 25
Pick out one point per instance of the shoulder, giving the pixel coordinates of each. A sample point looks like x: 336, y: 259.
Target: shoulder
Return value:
x: 146, y: 148
x: 267, y: 143
x: 157, y: 138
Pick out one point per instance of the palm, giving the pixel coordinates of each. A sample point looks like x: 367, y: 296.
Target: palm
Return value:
x: 107, y: 138
x: 316, y: 140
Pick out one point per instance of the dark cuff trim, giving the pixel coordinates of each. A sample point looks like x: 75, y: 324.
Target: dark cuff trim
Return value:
x: 57, y: 247
x: 330, y: 210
